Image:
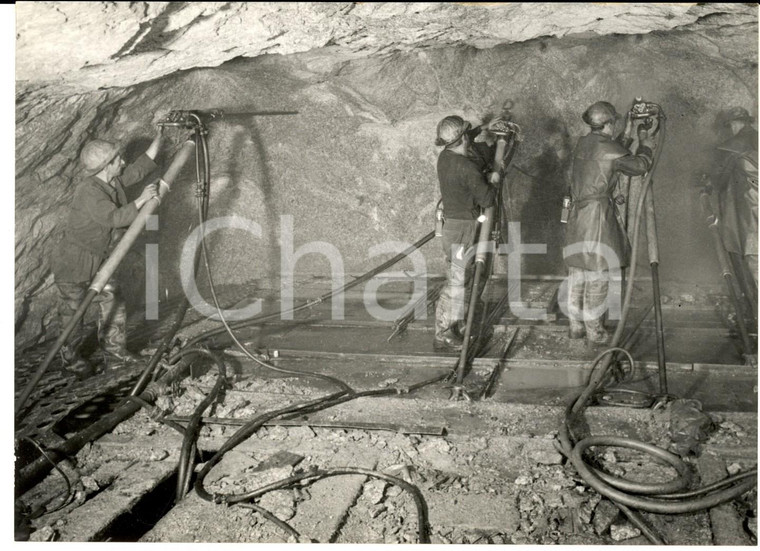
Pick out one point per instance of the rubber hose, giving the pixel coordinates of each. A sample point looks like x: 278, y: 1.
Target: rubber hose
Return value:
x: 651, y: 505
x: 419, y: 500
x: 184, y: 472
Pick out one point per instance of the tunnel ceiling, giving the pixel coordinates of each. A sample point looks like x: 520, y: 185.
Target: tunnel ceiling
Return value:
x: 82, y: 46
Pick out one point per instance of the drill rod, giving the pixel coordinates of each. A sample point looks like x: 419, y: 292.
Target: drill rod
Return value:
x: 728, y: 276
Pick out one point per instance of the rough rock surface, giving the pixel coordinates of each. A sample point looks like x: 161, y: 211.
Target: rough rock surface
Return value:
x: 355, y: 167
x: 91, y: 45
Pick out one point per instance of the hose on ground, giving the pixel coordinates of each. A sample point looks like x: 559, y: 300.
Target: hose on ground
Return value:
x: 188, y: 450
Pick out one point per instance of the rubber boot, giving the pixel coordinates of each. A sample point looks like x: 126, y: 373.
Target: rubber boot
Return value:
x: 575, y: 303
x: 445, y: 340
x: 112, y: 331
x: 71, y: 296
x: 74, y: 363
x: 594, y: 301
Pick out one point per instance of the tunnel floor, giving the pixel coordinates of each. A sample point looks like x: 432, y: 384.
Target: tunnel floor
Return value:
x: 486, y: 467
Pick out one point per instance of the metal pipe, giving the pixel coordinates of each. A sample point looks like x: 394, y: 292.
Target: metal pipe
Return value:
x: 468, y: 327
x: 654, y: 262
x: 660, y: 331
x: 107, y: 269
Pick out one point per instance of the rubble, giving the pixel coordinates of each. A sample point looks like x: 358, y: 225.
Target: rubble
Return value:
x: 605, y: 514
x: 622, y: 532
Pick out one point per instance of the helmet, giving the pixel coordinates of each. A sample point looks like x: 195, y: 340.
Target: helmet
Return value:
x: 738, y: 114
x: 599, y: 114
x: 451, y: 129
x: 96, y: 154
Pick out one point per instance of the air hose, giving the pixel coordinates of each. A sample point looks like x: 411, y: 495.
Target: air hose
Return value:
x: 187, y: 454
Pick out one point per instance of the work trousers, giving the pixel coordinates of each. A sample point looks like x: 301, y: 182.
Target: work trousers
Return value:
x: 587, y: 299
x: 112, y: 321
x: 457, y: 241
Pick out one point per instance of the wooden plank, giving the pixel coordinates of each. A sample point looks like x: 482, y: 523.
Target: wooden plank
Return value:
x: 726, y: 525
x: 91, y: 520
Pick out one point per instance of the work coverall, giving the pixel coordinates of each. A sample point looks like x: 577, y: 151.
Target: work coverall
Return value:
x: 464, y: 190
x: 736, y: 178
x: 594, y: 223
x: 98, y: 209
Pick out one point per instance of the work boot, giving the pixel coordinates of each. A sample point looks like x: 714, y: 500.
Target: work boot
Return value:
x: 458, y: 329
x: 112, y: 333
x: 577, y: 330
x: 598, y: 335
x: 73, y: 363
x: 594, y: 298
x: 119, y: 357
x: 447, y: 343
x: 575, y: 304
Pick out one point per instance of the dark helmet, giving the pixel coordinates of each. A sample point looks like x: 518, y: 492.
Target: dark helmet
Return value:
x: 599, y: 114
x: 450, y: 130
x: 738, y: 114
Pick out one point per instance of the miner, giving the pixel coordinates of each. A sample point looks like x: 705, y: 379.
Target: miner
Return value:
x: 593, y: 226
x: 466, y: 185
x: 98, y: 209
x: 735, y: 177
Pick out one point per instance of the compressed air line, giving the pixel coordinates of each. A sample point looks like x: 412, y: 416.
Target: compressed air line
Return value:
x: 108, y: 268
x: 188, y: 451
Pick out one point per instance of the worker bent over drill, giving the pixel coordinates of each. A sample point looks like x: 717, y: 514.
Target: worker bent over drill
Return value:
x: 465, y: 189
x: 593, y: 219
x: 98, y: 209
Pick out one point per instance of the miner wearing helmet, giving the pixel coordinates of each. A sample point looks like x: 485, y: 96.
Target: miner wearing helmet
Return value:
x: 97, y: 211
x: 735, y: 177
x: 595, y: 235
x: 465, y: 183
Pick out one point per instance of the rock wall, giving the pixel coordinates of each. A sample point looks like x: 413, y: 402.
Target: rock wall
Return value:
x: 355, y: 167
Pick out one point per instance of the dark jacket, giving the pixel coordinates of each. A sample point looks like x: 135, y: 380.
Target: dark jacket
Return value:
x: 736, y: 179
x: 97, y: 210
x: 593, y: 220
x: 462, y: 180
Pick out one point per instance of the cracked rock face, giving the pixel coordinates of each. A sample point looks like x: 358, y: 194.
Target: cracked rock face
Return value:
x: 355, y: 167
x: 90, y: 45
